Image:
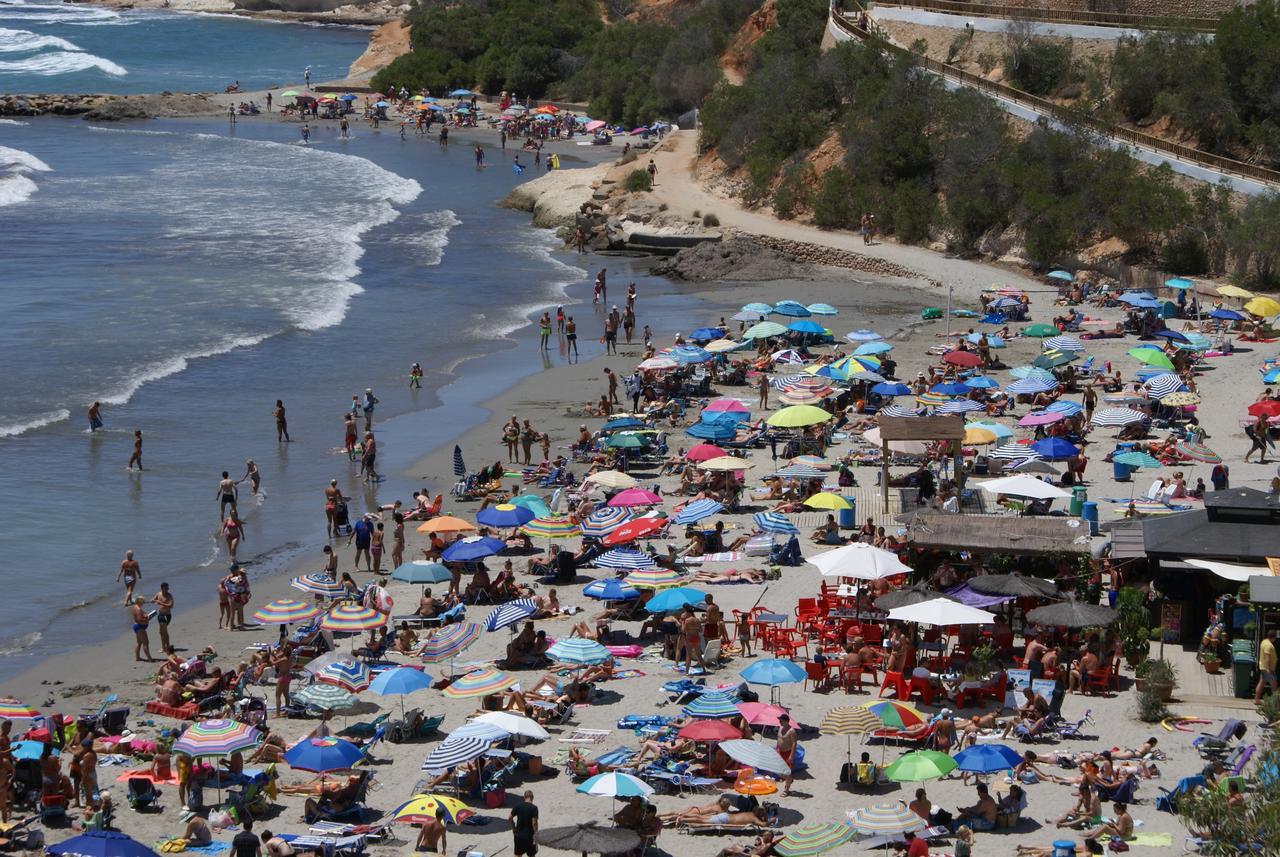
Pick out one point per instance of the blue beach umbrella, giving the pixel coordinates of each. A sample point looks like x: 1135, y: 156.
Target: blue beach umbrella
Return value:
x: 676, y: 598
x: 616, y: 785
x: 1226, y: 315
x: 981, y: 382
x: 774, y: 522
x: 806, y: 326
x: 891, y: 388
x: 793, y: 309
x: 823, y: 309
x: 1061, y: 275
x: 534, y: 504
x: 998, y: 429
x: 381, y: 104
x: 773, y: 672
x: 696, y: 511
x: 321, y: 755
x: 604, y: 520
x: 610, y: 589
x: 1055, y: 449
x: 1179, y: 283
x: 706, y: 334
x: 950, y: 388
x: 506, y: 615
x: 347, y: 97
x: 504, y: 515
x: 473, y: 548
x: 623, y: 558
x: 1032, y: 385
x: 577, y: 651
x: 987, y: 758
x: 1064, y: 406
x: 101, y: 843
x: 761, y: 309
x: 717, y: 431
x: 862, y: 335
x: 400, y: 681
x: 422, y: 572
x: 713, y: 704
x: 686, y: 354
x: 873, y: 348
x: 461, y: 93
x: 30, y: 751
x: 896, y: 410
x: 623, y: 423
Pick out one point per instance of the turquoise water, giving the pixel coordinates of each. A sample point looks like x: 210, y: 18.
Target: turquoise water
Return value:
x: 61, y: 48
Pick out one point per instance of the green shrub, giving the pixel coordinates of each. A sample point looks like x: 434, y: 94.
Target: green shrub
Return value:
x: 1150, y: 707
x: 638, y: 181
x: 833, y: 209
x: 1038, y: 65
x: 792, y: 193
x: 1185, y: 253
x: 710, y: 219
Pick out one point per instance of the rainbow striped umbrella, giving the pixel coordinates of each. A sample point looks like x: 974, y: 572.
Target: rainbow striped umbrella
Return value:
x: 449, y: 643
x: 350, y: 675
x: 319, y: 584
x: 286, y: 611
x: 353, y: 618
x: 891, y: 712
x: 420, y: 808
x: 1196, y: 451
x: 932, y: 400
x: 808, y: 840
x: 652, y: 578
x: 217, y: 738
x: 552, y: 527
x: 481, y: 682
x: 885, y: 819
x: 12, y: 709
x: 604, y: 520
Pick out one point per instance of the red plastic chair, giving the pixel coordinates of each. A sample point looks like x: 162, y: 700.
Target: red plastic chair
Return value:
x: 895, y: 682
x: 788, y: 642
x: 816, y: 673
x: 921, y: 686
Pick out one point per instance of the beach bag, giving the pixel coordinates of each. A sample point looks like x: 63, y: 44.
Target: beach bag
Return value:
x: 930, y: 312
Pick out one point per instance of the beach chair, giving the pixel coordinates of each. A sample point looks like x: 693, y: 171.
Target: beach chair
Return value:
x: 322, y: 810
x: 1076, y: 730
x: 143, y: 793
x: 365, y: 728
x: 1167, y: 800
x: 1215, y: 745
x: 366, y: 748
x: 1235, y: 763
x: 1041, y: 730
x: 1126, y: 792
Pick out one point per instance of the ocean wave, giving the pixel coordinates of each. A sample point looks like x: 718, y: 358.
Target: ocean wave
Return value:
x: 58, y: 13
x: 18, y: 160
x: 15, y: 429
x: 173, y: 365
x: 426, y: 236
x: 15, y: 185
x: 15, y: 188
x: 502, y: 325
x: 12, y: 122
x: 62, y: 62
x: 18, y: 41
x: 18, y: 645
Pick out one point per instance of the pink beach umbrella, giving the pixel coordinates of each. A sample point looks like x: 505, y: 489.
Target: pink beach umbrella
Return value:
x: 1041, y: 418
x: 726, y: 406
x: 705, y: 452
x: 635, y: 497
x: 595, y: 124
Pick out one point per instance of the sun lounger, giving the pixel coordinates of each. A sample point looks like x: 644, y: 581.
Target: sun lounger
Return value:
x: 186, y: 711
x: 327, y: 845
x: 727, y: 829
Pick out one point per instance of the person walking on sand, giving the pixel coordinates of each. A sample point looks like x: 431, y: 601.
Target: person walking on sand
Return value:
x: 786, y: 747
x: 130, y: 572
x: 653, y: 173
x: 524, y: 826
x: 164, y: 614
x: 141, y: 644
x: 362, y: 534
x: 864, y: 226
x: 136, y: 457
x: 763, y: 386
x: 544, y: 331
x: 94, y: 415
x: 332, y: 497
x: 227, y: 494
x: 397, y: 540
x: 571, y: 336
x: 282, y: 424
x: 613, y: 386
x: 370, y: 402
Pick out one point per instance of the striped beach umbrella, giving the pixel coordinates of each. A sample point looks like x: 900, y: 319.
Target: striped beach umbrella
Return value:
x: 576, y: 650
x: 610, y: 589
x: 755, y: 754
x: 786, y: 383
x: 481, y: 682
x: 615, y: 785
x: 1117, y: 417
x: 806, y: 397
x: 353, y: 618
x: 13, y: 709
x: 604, y: 520
x: 801, y: 471
x: 346, y: 673
x: 453, y: 752
x: 552, y: 527
x: 1031, y: 385
x: 885, y: 819
x: 625, y: 558
x: 920, y: 765
x: 213, y: 738
x: 1062, y: 343
x: 764, y: 330
x: 658, y: 364
x: 483, y: 731
x: 788, y: 356
x: 719, y: 346
x: 459, y: 468
x: 791, y: 309
x: 1163, y: 384
x: 774, y: 522
x: 422, y: 808
x: 689, y: 354
x: 1024, y: 372
x: 811, y: 839
x: 896, y: 410
x: 449, y: 642
x: 862, y: 335
x: 960, y: 406
x: 325, y: 697
x: 759, y: 308
x: 285, y: 611
x: 1194, y: 451
x: 697, y: 510
x: 1013, y: 452
x: 652, y: 578
x: 319, y: 583
x: 1135, y: 459
x: 932, y: 399
x: 1065, y: 407
x: 893, y: 713
x: 823, y: 309
x: 511, y: 613
x: 321, y: 755
x: 849, y: 720
x: 713, y: 704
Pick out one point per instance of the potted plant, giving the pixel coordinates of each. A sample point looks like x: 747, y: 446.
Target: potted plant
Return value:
x: 982, y: 658
x: 1131, y: 625
x: 1158, y: 677
x: 1209, y: 659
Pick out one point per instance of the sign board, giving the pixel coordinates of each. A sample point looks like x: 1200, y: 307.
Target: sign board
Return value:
x: 1171, y: 621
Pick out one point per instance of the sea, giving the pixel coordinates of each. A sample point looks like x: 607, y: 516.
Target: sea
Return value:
x: 52, y: 48
x: 187, y: 274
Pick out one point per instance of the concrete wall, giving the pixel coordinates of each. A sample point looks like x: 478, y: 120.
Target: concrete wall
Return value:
x: 1156, y: 8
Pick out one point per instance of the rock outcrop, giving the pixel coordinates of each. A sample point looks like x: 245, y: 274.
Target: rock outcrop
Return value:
x: 110, y: 108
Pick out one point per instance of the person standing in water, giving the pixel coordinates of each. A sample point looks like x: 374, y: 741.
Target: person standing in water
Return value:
x: 306, y: 133
x: 571, y: 336
x: 370, y: 402
x: 349, y: 435
x: 252, y: 476
x: 601, y: 289
x: 544, y: 331
x: 94, y: 415
x: 164, y: 614
x: 345, y: 129
x: 227, y: 494
x: 415, y: 376
x: 479, y: 156
x: 282, y: 424
x: 306, y: 76
x: 130, y: 572
x: 136, y: 458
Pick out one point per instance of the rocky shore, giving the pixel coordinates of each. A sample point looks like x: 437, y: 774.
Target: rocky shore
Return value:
x: 110, y: 108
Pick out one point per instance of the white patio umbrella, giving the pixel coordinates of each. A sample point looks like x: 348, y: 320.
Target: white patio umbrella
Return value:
x: 906, y: 447
x: 859, y: 560
x: 941, y: 612
x: 755, y: 754
x: 1023, y: 486
x: 514, y: 724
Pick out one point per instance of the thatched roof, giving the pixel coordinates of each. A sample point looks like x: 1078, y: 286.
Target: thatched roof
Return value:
x: 996, y: 533
x: 947, y: 427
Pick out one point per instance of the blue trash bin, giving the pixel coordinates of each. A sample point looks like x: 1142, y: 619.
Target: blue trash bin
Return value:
x: 1089, y: 514
x: 848, y: 518
x: 1120, y: 472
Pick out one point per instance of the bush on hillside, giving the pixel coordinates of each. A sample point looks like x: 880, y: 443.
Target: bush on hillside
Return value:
x: 1038, y: 65
x: 792, y: 193
x: 639, y: 181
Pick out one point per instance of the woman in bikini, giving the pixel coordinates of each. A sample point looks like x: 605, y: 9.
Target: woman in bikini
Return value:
x: 375, y: 547
x: 397, y: 540
x: 233, y: 532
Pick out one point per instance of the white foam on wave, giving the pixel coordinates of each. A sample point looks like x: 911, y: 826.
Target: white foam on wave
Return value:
x: 539, y: 248
x: 15, y: 429
x: 12, y: 122
x: 15, y: 185
x: 19, y: 41
x: 16, y: 159
x: 425, y: 236
x: 16, y: 188
x: 59, y: 13
x: 52, y: 63
x: 174, y: 365
x: 18, y: 645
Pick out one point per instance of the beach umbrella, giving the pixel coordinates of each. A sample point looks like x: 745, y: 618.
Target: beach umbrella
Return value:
x: 1234, y: 292
x: 220, y: 737
x: 1194, y: 451
x: 1016, y: 585
x: 950, y: 388
x: 773, y: 672
x: 610, y: 589
x: 1117, y: 417
x: 515, y: 724
x: 610, y: 479
x: 1028, y: 371
x: 775, y: 523
x: 448, y: 643
x: 420, y: 808
x: 916, y: 593
x: 758, y: 308
x: 686, y: 355
x: 483, y: 731
x: 764, y: 330
x: 726, y: 464
x: 589, y: 838
x: 347, y: 673
x: 1226, y: 315
x: 400, y: 681
x: 885, y: 819
x: 1264, y: 307
x: 761, y: 713
x: 805, y: 326
x: 1065, y: 407
x: 1171, y: 335
x: 1135, y: 459
x: 604, y: 520
x: 871, y: 349
x: 636, y: 528
x: 859, y: 560
x: 1023, y: 486
x: 1164, y: 384
x: 635, y: 497
x: 552, y: 527
x: 1065, y: 276
x: 829, y: 501
x: 463, y: 93
x: 706, y: 334
x: 452, y: 752
x: 446, y: 524
x: 806, y: 397
x: 933, y: 400
x: 987, y: 759
x: 1180, y: 400
x: 849, y: 720
x: 981, y: 382
x: 353, y: 618
x: 713, y: 704
x: 13, y: 709
x: 1054, y: 359
x: 421, y: 571
x: 1013, y: 451
x: 675, y: 598
x: 812, y: 838
x: 697, y: 510
x: 659, y: 363
x: 798, y: 416
x: 920, y: 765
x: 504, y: 515
x: 960, y: 406
x: 472, y: 548
x: 802, y: 471
x: 1033, y: 465
x: 965, y: 359
x: 862, y: 335
x: 791, y: 309
x: 509, y: 614
x: 1041, y: 418
x: 321, y: 755
x: 1040, y: 330
x: 652, y: 578
x: 1031, y: 386
x: 788, y: 356
x: 100, y: 843
x: 1179, y: 283
x: 756, y: 755
x: 891, y: 712
x: 719, y: 346
x: 1149, y: 356
x: 1136, y: 298
x: 822, y: 309
x: 285, y: 611
x: 459, y: 467
x: 993, y: 341
x: 615, y: 785
x: 941, y: 612
x: 802, y: 381
x: 898, y: 411
x: 1062, y: 343
x: 319, y: 583
x: 1072, y: 614
x: 998, y: 429
x: 625, y: 558
x: 709, y: 730
x: 480, y: 682
x: 325, y: 697
x: 725, y: 404
x: 1265, y: 408
x: 1055, y: 448
x: 715, y: 431
x: 578, y: 651
x: 31, y: 751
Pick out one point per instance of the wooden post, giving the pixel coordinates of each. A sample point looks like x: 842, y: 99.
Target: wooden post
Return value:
x: 884, y: 475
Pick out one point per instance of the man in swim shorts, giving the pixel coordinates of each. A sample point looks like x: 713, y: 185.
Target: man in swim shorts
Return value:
x: 227, y: 494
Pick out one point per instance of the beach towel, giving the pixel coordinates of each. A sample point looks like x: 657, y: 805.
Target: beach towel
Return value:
x: 147, y: 775
x: 211, y: 848
x: 1152, y: 840
x: 628, y: 674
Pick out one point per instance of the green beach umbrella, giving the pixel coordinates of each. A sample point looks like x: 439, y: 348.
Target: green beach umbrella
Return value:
x: 764, y: 330
x: 289, y: 93
x: 1136, y: 459
x: 326, y: 697
x: 799, y: 416
x: 809, y: 840
x: 920, y: 765
x: 627, y: 440
x: 1150, y: 356
x: 1040, y: 330
x: 533, y: 503
x: 1052, y: 359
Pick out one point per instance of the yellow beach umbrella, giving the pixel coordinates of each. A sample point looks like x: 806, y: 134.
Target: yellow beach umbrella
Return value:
x: 612, y: 479
x: 1265, y: 307
x: 1234, y: 292
x: 799, y: 416
x: 977, y: 436
x: 446, y: 524
x: 827, y: 500
x: 725, y: 463
x: 717, y: 346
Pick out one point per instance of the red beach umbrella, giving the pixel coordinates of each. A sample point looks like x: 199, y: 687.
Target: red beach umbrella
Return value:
x: 634, y: 529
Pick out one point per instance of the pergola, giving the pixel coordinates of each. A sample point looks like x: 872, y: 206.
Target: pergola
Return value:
x: 944, y: 428
x: 1017, y: 536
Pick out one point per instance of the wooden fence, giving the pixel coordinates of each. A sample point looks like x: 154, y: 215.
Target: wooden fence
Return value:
x: 1056, y: 16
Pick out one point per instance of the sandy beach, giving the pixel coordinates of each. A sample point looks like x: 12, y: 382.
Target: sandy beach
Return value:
x: 554, y: 400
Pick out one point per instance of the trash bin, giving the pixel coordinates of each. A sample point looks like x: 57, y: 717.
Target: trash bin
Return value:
x: 1078, y: 495
x: 1089, y: 514
x: 1242, y: 675
x: 1120, y: 472
x: 848, y: 518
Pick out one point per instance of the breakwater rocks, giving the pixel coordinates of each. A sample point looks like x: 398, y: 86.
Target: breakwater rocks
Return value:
x: 816, y: 254
x: 109, y: 108
x: 738, y: 258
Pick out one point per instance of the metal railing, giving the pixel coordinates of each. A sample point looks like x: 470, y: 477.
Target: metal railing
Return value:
x: 1056, y: 16
x: 1065, y: 115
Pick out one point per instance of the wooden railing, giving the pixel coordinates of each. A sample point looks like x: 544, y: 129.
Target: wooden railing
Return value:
x: 1062, y: 114
x: 1056, y: 16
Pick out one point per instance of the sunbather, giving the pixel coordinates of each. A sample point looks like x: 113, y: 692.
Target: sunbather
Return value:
x: 722, y: 806
x: 732, y: 819
x: 730, y: 575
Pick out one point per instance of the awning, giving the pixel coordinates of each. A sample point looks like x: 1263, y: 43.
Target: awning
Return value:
x: 1231, y: 570
x: 965, y: 595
